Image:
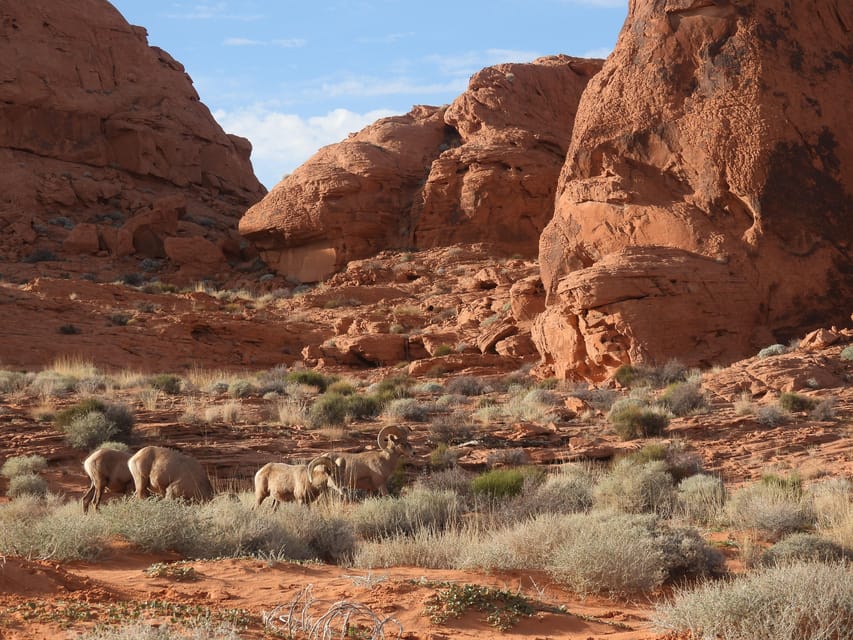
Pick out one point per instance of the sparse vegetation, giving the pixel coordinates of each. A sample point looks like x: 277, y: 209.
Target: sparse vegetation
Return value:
x: 630, y: 420
x: 22, y: 465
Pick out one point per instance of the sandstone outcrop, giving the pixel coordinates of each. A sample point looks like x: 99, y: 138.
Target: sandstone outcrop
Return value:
x: 483, y: 169
x: 716, y: 140
x: 96, y: 126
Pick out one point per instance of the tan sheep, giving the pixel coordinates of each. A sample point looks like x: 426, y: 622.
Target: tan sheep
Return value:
x: 371, y: 470
x: 107, y: 469
x: 303, y: 483
x: 169, y: 473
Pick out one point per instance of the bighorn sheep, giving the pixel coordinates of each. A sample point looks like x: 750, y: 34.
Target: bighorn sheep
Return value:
x: 301, y: 482
x: 107, y: 469
x: 169, y: 473
x: 371, y: 470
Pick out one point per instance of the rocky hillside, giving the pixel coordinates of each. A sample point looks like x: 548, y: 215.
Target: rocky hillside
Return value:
x: 106, y: 150
x: 706, y: 205
x: 482, y: 169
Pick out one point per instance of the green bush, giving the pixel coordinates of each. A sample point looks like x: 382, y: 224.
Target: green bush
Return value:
x: 631, y: 420
x: 241, y: 389
x: 65, y: 417
x: 801, y: 601
x: 342, y: 387
x: 167, y: 383
x: 796, y: 402
x: 398, y: 386
x: 406, y: 409
x: 90, y: 430
x: 12, y: 381
x: 559, y: 493
x: 26, y: 484
x: 500, y: 483
x: 847, y: 353
x: 328, y: 409
x: 310, y: 378
x: 22, y: 465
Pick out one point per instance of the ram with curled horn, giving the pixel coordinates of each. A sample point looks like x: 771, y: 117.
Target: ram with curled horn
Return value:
x: 303, y: 483
x: 169, y: 473
x: 371, y: 470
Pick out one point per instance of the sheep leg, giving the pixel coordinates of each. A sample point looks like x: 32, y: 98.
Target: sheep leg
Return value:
x: 87, y: 498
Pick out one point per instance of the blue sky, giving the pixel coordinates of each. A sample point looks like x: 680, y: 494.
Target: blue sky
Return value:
x: 295, y: 75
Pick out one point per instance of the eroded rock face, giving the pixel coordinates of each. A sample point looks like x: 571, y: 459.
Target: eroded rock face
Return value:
x: 97, y: 126
x: 719, y: 129
x: 483, y: 169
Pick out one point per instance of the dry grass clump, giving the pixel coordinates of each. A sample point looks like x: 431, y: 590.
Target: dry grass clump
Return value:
x: 804, y: 547
x: 44, y: 527
x: 291, y: 411
x: 12, y: 381
x: 91, y: 422
x: 407, y: 409
x: 775, y: 505
x: 200, y: 629
x: 566, y: 492
x: 22, y: 465
x: 701, y: 499
x: 632, y: 418
x: 684, y: 398
x: 454, y: 428
x: 636, y: 488
x: 419, y: 508
x: 27, y: 484
x: 466, y: 386
x: 801, y: 601
x: 425, y: 548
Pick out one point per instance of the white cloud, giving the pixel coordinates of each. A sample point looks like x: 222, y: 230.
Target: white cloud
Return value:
x: 470, y: 62
x: 369, y: 86
x: 607, y: 4
x: 289, y: 43
x: 211, y: 11
x: 601, y: 52
x: 283, y: 141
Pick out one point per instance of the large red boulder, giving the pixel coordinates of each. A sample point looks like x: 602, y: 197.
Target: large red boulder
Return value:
x: 96, y: 126
x: 717, y: 139
x: 483, y: 169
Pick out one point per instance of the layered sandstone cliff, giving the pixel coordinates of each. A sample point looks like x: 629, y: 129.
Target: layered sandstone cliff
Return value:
x: 705, y: 206
x: 96, y: 129
x: 483, y: 169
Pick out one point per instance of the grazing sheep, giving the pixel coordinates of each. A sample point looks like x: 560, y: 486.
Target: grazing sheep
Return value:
x: 371, y: 470
x: 301, y: 482
x: 169, y: 473
x: 107, y: 469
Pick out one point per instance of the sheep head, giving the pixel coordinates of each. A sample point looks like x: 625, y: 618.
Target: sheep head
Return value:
x: 394, y: 438
x: 321, y: 472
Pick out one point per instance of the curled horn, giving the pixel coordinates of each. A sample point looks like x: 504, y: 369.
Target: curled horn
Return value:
x: 390, y: 430
x: 324, y: 461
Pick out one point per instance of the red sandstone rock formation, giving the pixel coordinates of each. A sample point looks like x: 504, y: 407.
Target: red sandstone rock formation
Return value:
x: 96, y: 127
x: 483, y: 169
x: 716, y: 140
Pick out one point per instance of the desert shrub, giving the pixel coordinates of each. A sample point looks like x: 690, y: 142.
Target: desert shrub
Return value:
x: 22, y: 465
x: 686, y: 553
x: 683, y: 398
x: 525, y: 544
x: 454, y: 479
x: 418, y: 509
x: 424, y: 548
x: 680, y: 462
x: 310, y: 378
x: 796, y: 402
x: 201, y: 628
x: 626, y: 375
x: 154, y: 525
x: 44, y: 527
x: 509, y: 457
x: 26, y: 484
x: 499, y: 483
x: 89, y: 430
x: 466, y: 386
x: 700, y: 498
x: 824, y: 410
x: 604, y: 552
x: 772, y: 350
x: 800, y: 601
x: 771, y: 415
x: 241, y: 388
x: 328, y: 409
x: 633, y: 488
x: 427, y: 387
x: 630, y: 420
x: 12, y: 381
x: 116, y: 446
x: 398, y: 386
x: 343, y: 387
x: 804, y: 547
x: 775, y: 506
x: 65, y: 417
x: 559, y: 493
x: 360, y: 407
x: 406, y: 409
x: 167, y: 383
x: 450, y: 429
x: 291, y: 411
x: 442, y: 350
x: 847, y: 353
x: 443, y: 456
